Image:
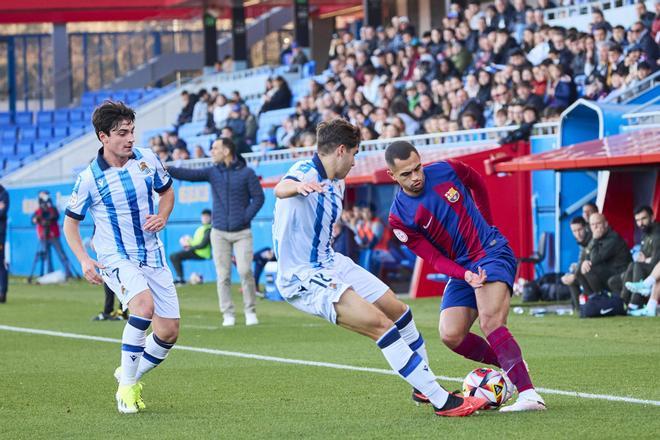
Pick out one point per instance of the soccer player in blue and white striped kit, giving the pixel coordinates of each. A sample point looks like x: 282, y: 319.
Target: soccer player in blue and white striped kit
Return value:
x: 119, y: 189
x: 317, y: 280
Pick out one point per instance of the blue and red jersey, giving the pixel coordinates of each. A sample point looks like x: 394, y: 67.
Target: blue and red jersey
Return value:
x: 449, y: 223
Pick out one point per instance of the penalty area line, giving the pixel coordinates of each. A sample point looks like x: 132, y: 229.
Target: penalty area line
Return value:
x: 259, y: 357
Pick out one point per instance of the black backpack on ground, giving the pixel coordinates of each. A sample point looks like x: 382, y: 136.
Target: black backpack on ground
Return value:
x: 602, y: 304
x: 552, y: 289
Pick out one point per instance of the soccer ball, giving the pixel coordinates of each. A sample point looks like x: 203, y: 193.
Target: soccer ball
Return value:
x: 185, y: 240
x: 196, y: 278
x: 488, y: 384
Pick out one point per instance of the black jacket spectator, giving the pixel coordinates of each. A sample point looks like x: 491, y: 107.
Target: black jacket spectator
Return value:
x: 237, y: 193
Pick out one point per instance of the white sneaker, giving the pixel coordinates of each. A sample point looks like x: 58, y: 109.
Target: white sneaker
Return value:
x: 251, y: 319
x: 526, y: 404
x: 229, y: 321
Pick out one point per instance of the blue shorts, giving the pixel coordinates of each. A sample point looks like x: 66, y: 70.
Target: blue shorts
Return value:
x: 500, y: 265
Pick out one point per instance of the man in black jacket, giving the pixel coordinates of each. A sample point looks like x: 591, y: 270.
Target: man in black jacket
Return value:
x: 582, y: 235
x: 647, y: 258
x: 237, y: 197
x: 606, y: 255
x: 4, y: 208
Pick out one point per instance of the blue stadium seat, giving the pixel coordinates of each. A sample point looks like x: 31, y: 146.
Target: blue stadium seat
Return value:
x: 60, y: 132
x: 61, y: 116
x: 7, y: 150
x: 8, y: 134
x: 23, y: 118
x: 88, y: 99
x: 28, y: 133
x: 5, y: 118
x: 134, y: 96
x: 76, y: 131
x: 191, y: 129
x: 76, y: 115
x: 39, y: 146
x: 45, y: 117
x: 45, y: 132
x: 24, y: 148
x: 11, y: 165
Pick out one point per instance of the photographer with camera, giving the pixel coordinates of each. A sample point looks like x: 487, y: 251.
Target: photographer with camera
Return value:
x: 48, y: 231
x: 4, y: 208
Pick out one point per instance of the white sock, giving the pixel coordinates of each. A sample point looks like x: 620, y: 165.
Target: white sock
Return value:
x: 155, y: 352
x: 411, y: 367
x: 530, y: 394
x: 410, y: 334
x: 651, y: 307
x: 132, y: 347
x: 649, y: 281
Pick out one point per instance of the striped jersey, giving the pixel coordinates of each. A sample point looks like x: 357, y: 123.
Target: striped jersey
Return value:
x: 302, y: 226
x: 449, y: 223
x: 119, y: 199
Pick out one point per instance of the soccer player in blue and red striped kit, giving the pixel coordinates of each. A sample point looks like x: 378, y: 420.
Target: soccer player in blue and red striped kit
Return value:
x: 443, y: 215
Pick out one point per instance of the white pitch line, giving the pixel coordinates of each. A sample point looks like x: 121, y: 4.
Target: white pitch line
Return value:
x: 318, y: 364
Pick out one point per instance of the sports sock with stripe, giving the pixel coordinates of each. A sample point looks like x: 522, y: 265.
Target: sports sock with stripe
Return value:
x: 155, y: 352
x: 132, y: 347
x: 411, y: 367
x: 410, y: 334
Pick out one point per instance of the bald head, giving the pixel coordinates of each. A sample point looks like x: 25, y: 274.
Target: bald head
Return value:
x: 598, y: 225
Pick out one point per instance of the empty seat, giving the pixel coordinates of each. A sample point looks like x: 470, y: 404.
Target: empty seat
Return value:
x: 76, y: 131
x: 76, y: 115
x: 61, y: 116
x: 24, y: 148
x: 8, y: 134
x: 23, y: 118
x: 11, y: 165
x: 7, y: 150
x: 60, y: 132
x: 39, y: 146
x: 88, y: 100
x: 45, y: 117
x: 5, y: 118
x: 28, y: 133
x: 45, y: 132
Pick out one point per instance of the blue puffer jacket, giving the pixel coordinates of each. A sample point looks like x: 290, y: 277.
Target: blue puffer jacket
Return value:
x: 237, y: 193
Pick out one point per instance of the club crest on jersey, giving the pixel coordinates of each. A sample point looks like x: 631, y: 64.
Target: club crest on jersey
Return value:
x: 452, y: 195
x: 402, y: 236
x: 99, y: 181
x: 145, y: 168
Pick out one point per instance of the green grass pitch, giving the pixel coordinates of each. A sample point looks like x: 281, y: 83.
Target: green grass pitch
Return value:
x: 56, y: 387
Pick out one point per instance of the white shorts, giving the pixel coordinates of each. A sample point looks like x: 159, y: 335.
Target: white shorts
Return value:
x: 318, y: 291
x: 126, y: 278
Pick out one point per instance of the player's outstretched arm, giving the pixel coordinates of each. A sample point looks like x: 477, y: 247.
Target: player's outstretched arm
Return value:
x: 72, y: 235
x: 156, y: 222
x: 290, y: 188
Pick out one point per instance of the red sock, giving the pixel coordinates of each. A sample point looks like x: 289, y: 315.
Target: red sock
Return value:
x: 510, y: 357
x: 476, y: 348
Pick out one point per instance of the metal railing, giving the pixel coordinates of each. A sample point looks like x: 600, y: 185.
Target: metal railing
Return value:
x: 465, y: 138
x: 639, y: 117
x: 583, y: 9
x: 636, y: 89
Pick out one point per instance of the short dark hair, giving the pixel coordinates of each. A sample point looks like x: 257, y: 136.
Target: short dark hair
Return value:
x: 206, y: 212
x: 579, y: 220
x: 331, y: 134
x: 109, y: 115
x: 592, y: 205
x: 644, y: 208
x: 228, y: 143
x: 399, y: 150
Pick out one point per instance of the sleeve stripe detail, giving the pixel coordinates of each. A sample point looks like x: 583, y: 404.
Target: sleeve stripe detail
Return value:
x: 73, y: 215
x: 165, y: 187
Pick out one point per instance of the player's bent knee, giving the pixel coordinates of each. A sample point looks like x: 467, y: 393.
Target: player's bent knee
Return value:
x: 489, y: 324
x: 451, y: 340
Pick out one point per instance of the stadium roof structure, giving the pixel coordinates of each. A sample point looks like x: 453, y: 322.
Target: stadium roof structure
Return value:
x: 634, y: 148
x: 370, y: 167
x: 62, y: 11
